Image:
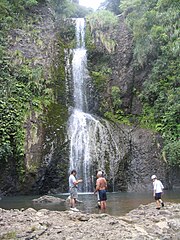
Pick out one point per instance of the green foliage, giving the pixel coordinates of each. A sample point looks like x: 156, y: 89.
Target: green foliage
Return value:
x: 172, y: 150
x: 155, y: 28
x: 99, y: 23
x: 118, y: 117
x: 111, y: 5
x: 32, y: 77
x: 89, y: 41
x: 67, y: 35
x: 100, y: 74
x: 116, y: 101
x: 30, y: 3
x: 12, y: 134
x: 116, y: 114
x: 22, y: 88
x: 100, y: 79
x: 102, y: 19
x: 67, y: 8
x: 147, y: 118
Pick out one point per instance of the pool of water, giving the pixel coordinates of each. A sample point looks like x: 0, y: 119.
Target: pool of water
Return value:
x: 117, y: 204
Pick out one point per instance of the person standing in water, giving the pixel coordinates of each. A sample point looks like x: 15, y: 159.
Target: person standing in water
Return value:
x: 73, y: 184
x: 101, y: 186
x: 98, y: 199
x: 157, y: 191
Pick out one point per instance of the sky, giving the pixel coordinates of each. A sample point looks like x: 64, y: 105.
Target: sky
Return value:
x: 90, y: 3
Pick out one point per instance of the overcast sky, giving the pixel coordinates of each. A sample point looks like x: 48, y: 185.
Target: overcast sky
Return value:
x: 90, y: 3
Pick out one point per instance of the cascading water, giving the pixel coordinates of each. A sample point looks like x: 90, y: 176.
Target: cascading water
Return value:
x: 91, y: 142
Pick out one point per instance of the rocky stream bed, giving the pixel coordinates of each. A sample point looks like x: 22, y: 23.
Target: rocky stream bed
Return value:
x: 145, y: 222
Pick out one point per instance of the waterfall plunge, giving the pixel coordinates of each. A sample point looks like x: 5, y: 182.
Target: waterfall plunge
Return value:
x: 91, y: 142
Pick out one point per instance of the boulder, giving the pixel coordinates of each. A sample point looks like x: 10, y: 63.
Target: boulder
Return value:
x: 48, y: 199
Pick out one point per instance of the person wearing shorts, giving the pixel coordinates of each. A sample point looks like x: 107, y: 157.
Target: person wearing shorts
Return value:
x: 101, y: 186
x: 73, y: 183
x: 157, y: 191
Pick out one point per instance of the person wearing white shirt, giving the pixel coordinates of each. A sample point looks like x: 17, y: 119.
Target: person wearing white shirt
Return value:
x: 157, y: 191
x: 73, y: 183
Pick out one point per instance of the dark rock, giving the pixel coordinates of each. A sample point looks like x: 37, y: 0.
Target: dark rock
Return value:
x: 48, y: 199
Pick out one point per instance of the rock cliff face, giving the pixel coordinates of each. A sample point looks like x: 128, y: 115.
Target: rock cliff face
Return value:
x: 124, y: 74
x: 36, y: 44
x: 122, y: 68
x: 140, y: 148
x: 145, y: 156
x: 47, y: 147
x: 139, y: 159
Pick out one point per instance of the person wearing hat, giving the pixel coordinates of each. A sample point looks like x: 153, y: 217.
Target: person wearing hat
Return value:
x: 157, y: 191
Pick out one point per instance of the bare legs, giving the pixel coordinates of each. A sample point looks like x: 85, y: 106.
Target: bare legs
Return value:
x: 159, y: 203
x: 72, y: 202
x: 103, y: 205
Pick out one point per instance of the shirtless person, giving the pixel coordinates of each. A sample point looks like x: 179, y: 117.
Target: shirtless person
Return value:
x: 101, y: 186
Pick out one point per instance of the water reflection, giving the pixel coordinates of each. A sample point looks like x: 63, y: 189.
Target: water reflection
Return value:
x: 117, y: 204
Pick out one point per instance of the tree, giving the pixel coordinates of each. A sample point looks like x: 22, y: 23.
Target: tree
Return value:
x: 155, y: 28
x: 111, y: 5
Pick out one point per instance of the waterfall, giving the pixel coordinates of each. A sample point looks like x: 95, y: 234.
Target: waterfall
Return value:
x: 91, y: 140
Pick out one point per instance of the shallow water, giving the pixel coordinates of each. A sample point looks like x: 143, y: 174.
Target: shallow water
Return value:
x: 118, y: 203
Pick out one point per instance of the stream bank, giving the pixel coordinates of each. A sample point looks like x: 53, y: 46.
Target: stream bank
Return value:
x: 144, y: 222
